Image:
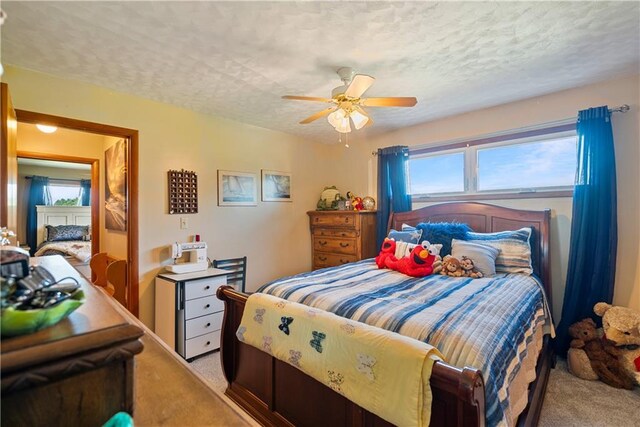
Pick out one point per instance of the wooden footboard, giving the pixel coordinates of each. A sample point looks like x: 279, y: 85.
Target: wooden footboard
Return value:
x: 276, y: 393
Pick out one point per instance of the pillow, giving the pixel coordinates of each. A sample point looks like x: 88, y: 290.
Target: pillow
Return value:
x: 483, y: 256
x: 441, y: 232
x: 66, y: 232
x: 409, y: 236
x: 515, y: 251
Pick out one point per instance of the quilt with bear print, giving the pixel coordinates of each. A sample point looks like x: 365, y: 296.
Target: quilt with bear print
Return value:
x: 382, y: 371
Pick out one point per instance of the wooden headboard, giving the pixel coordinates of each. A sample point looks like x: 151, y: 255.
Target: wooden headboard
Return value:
x: 485, y: 218
x: 61, y: 215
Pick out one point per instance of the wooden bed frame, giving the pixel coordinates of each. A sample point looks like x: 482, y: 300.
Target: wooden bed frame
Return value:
x: 278, y: 394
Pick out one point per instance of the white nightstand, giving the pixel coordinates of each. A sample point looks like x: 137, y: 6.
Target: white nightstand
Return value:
x: 188, y: 313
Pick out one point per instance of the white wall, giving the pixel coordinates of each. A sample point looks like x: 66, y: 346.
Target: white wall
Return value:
x: 274, y: 236
x: 358, y: 169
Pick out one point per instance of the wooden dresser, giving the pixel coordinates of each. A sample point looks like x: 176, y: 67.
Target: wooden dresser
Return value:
x: 339, y: 237
x: 78, y: 372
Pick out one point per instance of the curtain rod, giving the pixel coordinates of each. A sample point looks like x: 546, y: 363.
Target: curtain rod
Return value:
x: 624, y: 108
x: 62, y: 179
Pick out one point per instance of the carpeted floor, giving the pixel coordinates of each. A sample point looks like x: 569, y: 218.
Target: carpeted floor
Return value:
x: 570, y: 401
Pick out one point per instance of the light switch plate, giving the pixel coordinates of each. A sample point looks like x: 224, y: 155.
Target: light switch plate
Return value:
x: 184, y: 223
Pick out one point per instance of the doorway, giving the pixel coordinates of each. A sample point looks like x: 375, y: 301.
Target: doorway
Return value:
x: 129, y: 139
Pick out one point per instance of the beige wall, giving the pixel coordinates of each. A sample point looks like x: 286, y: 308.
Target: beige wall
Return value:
x: 361, y: 171
x: 274, y: 236
x: 113, y: 242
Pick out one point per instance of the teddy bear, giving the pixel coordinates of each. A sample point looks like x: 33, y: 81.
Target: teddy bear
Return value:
x: 469, y: 268
x: 622, y: 326
x: 451, y: 267
x: 601, y: 354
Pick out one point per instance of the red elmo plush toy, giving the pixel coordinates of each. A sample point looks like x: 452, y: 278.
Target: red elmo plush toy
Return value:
x: 418, y: 263
x: 388, y: 250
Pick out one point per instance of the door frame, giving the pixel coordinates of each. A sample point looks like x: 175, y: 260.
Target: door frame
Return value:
x: 95, y: 187
x: 132, y: 185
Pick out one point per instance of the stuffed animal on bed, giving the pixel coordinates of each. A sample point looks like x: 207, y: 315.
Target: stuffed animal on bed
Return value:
x: 451, y: 267
x: 418, y: 263
x: 387, y: 250
x: 469, y: 268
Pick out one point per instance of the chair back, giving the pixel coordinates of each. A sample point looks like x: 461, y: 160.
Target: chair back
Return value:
x: 238, y: 266
x: 98, y: 264
x: 117, y: 276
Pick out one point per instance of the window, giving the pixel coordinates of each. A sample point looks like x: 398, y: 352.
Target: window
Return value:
x: 64, y: 193
x: 437, y: 173
x: 518, y: 163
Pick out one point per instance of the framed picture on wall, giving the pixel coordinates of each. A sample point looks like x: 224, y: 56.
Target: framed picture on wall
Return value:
x: 276, y: 186
x: 115, y: 187
x: 237, y: 188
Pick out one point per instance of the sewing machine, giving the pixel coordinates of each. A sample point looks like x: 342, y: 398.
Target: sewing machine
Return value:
x: 197, y: 257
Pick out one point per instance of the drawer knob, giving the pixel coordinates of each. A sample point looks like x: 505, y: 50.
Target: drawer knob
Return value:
x: 346, y: 220
x: 343, y: 261
x: 322, y: 242
x: 207, y: 325
x: 344, y: 245
x: 323, y: 258
x: 208, y: 342
x: 207, y: 306
x: 206, y: 288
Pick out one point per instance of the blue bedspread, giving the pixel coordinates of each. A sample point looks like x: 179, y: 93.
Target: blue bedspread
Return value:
x: 480, y: 323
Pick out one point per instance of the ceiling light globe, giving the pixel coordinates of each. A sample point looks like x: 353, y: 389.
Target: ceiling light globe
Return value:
x: 47, y: 128
x: 359, y: 119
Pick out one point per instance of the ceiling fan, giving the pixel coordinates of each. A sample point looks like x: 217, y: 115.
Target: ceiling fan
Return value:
x: 347, y: 102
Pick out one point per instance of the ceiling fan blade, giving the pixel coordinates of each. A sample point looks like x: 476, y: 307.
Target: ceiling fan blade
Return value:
x: 389, y: 102
x: 359, y: 85
x: 318, y: 115
x: 307, y: 98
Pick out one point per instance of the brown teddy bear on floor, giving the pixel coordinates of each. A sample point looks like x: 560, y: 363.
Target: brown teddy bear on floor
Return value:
x: 621, y: 325
x: 602, y: 354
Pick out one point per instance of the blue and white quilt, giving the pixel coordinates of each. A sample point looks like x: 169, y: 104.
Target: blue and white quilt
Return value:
x: 485, y: 324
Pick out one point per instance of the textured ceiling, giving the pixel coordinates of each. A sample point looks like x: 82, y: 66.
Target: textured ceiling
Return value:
x: 235, y: 59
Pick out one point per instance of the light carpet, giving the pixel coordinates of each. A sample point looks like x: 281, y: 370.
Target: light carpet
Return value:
x: 570, y: 401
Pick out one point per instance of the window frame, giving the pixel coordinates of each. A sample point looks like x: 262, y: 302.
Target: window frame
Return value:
x: 470, y: 150
x: 441, y: 153
x: 53, y: 182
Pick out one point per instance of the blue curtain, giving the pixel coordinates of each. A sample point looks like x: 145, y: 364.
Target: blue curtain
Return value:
x: 38, y: 195
x: 393, y: 186
x: 85, y: 186
x: 594, y: 225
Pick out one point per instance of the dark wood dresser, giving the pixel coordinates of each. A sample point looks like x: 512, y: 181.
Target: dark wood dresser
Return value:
x: 339, y: 237
x: 78, y: 372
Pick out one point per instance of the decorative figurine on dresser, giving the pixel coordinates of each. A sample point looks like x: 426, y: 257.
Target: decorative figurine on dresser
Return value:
x: 188, y: 313
x: 339, y: 237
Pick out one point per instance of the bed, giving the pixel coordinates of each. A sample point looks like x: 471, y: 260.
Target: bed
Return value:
x: 268, y: 388
x: 53, y: 221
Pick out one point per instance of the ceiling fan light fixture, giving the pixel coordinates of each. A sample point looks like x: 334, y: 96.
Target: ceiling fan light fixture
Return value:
x: 359, y: 119
x: 344, y: 126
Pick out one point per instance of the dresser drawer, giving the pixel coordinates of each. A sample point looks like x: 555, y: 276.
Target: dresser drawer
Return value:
x: 202, y: 306
x: 203, y: 287
x: 321, y: 260
x: 334, y: 220
x: 338, y: 246
x: 329, y: 232
x: 202, y: 344
x: 203, y: 325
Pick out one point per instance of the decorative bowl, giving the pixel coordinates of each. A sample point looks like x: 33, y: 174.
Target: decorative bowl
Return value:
x: 19, y: 322
x: 369, y: 203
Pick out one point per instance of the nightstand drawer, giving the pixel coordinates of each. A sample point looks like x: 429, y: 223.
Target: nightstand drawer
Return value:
x: 203, y: 287
x: 328, y: 232
x: 334, y: 220
x: 338, y: 246
x: 202, y: 325
x: 202, y: 344
x: 202, y: 306
x: 321, y: 260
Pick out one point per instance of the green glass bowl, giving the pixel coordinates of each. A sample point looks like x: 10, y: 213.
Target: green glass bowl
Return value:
x: 19, y: 322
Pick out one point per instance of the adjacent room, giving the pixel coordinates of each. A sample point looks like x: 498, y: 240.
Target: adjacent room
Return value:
x: 320, y: 213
